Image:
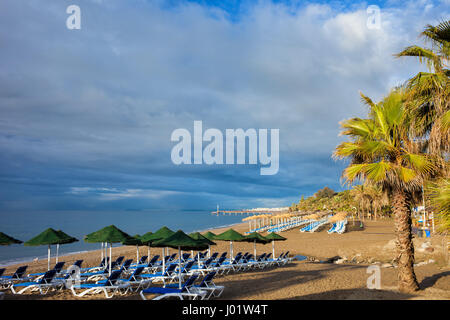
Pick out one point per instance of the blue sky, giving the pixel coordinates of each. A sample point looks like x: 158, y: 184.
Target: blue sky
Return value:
x: 86, y: 115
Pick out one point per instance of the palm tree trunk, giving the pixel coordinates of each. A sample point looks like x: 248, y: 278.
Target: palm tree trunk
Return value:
x: 405, y: 248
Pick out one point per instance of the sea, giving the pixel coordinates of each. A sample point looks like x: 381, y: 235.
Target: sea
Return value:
x: 26, y: 225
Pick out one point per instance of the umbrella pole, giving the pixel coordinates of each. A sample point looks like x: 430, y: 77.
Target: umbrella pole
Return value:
x: 231, y: 250
x: 148, y: 253
x: 57, y: 252
x: 179, y: 268
x: 209, y: 251
x: 48, y: 258
x: 163, y: 265
x: 110, y: 257
x: 273, y: 249
x: 102, y: 252
x: 137, y: 255
x: 254, y: 248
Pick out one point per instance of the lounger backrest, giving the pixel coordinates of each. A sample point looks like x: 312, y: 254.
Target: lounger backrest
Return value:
x: 119, y: 260
x: 173, y: 256
x: 48, y: 276
x: 58, y: 267
x: 187, y: 267
x: 224, y: 254
x: 2, y: 271
x: 143, y: 259
x: 237, y: 258
x: 137, y: 272
x: 208, y: 278
x: 189, y: 282
x: 19, y: 272
x: 170, y: 269
x: 186, y: 256
x: 214, y: 255
x: 220, y: 261
x: 127, y: 264
x: 153, y: 260
x: 113, y: 278
x: 268, y: 256
x: 208, y: 262
x: 78, y: 263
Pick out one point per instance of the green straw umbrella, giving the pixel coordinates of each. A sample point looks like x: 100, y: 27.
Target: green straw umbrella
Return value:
x: 134, y: 241
x: 50, y: 237
x: 230, y: 235
x: 67, y: 239
x: 199, y: 236
x: 110, y: 234
x: 181, y: 241
x: 210, y: 235
x: 255, y: 237
x: 161, y: 233
x: 146, y: 242
x: 274, y: 237
x: 6, y: 240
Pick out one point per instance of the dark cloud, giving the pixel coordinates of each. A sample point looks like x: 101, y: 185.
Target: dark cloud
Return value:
x: 87, y: 114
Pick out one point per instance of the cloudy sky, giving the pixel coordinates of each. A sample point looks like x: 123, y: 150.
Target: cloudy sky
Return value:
x: 86, y: 115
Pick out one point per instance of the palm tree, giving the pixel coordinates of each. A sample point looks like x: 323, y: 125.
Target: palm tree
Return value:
x: 361, y: 197
x: 383, y: 153
x: 438, y: 193
x: 378, y: 198
x: 428, y: 98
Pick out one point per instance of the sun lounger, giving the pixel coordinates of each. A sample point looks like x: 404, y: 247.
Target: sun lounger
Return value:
x: 58, y: 267
x: 109, y: 287
x: 43, y: 285
x: 184, y: 292
x: 101, y: 266
x: 18, y: 275
x: 168, y: 274
x: 208, y: 285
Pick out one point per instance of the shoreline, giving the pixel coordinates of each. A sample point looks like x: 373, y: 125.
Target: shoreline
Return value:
x: 25, y: 260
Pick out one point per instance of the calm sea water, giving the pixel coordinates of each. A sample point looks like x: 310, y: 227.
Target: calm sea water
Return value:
x: 26, y: 225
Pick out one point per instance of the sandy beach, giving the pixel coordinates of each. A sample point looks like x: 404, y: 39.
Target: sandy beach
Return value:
x: 310, y: 278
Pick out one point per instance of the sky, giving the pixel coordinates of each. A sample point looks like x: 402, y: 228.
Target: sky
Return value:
x: 86, y: 115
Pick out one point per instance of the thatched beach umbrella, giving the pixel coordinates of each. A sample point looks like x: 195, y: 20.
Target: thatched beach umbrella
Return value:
x: 110, y: 234
x: 255, y: 237
x: 274, y: 237
x: 134, y: 241
x: 50, y: 237
x: 6, y: 240
x: 181, y: 241
x: 160, y: 234
x: 230, y: 235
x: 199, y: 236
x: 144, y: 239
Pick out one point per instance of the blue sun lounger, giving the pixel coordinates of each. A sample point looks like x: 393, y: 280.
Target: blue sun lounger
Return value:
x: 18, y: 275
x: 43, y: 285
x: 111, y: 284
x: 171, y: 291
x: 58, y: 267
x: 209, y: 286
x: 167, y: 274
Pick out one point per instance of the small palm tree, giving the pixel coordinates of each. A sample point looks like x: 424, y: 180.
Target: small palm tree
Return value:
x: 382, y: 152
x: 362, y: 198
x: 378, y: 198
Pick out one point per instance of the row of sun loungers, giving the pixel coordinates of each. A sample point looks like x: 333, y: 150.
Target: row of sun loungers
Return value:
x: 314, y: 225
x: 288, y: 225
x: 338, y: 227
x: 197, y: 275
